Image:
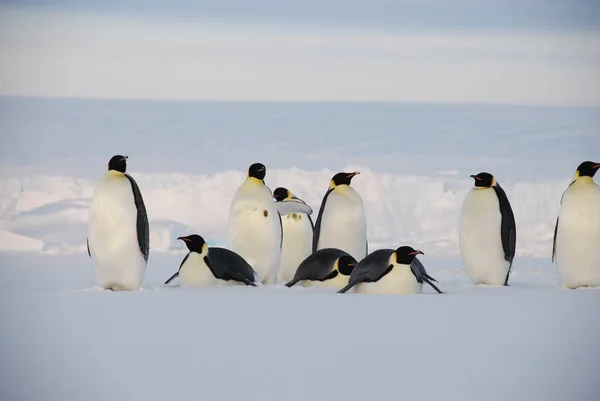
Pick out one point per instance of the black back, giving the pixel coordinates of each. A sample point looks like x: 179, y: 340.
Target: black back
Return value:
x: 508, y: 228
x: 318, y: 266
x: 317, y: 228
x: 228, y: 265
x: 143, y: 229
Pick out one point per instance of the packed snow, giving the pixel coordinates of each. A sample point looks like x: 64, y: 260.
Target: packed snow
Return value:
x: 62, y: 337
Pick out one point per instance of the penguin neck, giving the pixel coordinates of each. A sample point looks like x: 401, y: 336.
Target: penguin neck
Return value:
x: 115, y: 174
x: 254, y: 180
x: 584, y: 181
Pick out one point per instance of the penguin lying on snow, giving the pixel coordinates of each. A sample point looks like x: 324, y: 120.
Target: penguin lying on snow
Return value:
x: 297, y: 232
x: 342, y: 222
x: 204, y: 266
x: 576, y: 243
x: 118, y: 234
x: 327, y: 267
x: 388, y: 271
x: 487, y: 232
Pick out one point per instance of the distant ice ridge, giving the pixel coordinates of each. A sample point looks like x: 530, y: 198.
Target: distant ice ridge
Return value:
x: 50, y: 213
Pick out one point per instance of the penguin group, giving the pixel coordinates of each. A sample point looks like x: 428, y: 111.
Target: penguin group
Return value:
x: 272, y: 238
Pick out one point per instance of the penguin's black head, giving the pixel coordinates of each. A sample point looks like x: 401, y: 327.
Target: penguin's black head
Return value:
x: 406, y: 254
x: 484, y: 180
x: 342, y: 178
x: 346, y: 265
x: 587, y: 169
x: 118, y: 163
x: 194, y: 243
x: 258, y: 171
x: 280, y: 194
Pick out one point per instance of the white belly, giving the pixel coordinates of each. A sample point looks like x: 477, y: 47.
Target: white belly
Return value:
x: 117, y: 259
x: 336, y: 283
x: 578, y: 237
x: 254, y: 236
x: 400, y: 280
x: 297, y: 244
x: 344, y: 223
x: 480, y: 240
x: 195, y: 273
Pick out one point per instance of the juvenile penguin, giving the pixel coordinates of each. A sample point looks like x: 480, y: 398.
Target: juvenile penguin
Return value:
x: 342, y: 221
x: 576, y: 243
x: 255, y: 229
x: 297, y: 234
x: 388, y: 271
x: 487, y: 232
x: 204, y: 266
x: 118, y: 233
x: 326, y: 267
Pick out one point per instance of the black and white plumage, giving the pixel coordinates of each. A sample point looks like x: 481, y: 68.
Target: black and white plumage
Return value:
x: 342, y: 221
x: 328, y: 267
x: 487, y: 232
x: 389, y: 271
x: 576, y: 241
x: 118, y: 235
x: 207, y: 266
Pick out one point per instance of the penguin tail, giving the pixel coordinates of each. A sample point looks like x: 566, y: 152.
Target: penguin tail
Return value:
x: 292, y: 282
x: 346, y: 288
x: 172, y: 277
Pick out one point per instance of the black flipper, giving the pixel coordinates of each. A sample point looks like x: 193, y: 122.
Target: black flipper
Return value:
x: 554, y: 240
x: 172, y: 277
x: 426, y: 279
x: 508, y: 229
x: 143, y: 230
x: 234, y: 275
x: 317, y: 228
x: 88, y: 246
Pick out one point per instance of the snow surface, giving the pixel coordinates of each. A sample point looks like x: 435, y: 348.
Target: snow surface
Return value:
x: 62, y: 338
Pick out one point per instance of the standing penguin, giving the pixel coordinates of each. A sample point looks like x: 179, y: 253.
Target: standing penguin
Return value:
x: 342, y: 221
x: 297, y: 234
x: 576, y: 243
x: 255, y: 230
x: 326, y: 267
x: 388, y: 271
x: 118, y: 233
x: 204, y: 266
x: 487, y: 232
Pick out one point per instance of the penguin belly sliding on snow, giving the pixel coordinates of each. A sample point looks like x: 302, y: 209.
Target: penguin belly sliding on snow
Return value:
x: 204, y: 266
x: 487, y: 232
x: 576, y: 243
x: 325, y: 268
x: 255, y: 228
x: 388, y: 271
x: 297, y: 232
x: 118, y: 232
x: 342, y: 222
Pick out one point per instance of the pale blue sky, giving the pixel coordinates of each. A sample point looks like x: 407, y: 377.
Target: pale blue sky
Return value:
x: 475, y: 51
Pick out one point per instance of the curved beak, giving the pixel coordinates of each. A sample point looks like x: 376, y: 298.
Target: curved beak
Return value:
x: 474, y: 176
x: 353, y: 174
x: 417, y: 252
x: 124, y: 158
x: 186, y: 239
x: 597, y: 166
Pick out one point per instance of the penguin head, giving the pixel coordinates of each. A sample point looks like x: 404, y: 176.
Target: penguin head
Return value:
x: 345, y: 265
x: 587, y: 169
x: 484, y: 180
x: 405, y: 254
x: 281, y: 193
x: 118, y: 163
x: 258, y: 171
x: 195, y: 243
x: 342, y: 179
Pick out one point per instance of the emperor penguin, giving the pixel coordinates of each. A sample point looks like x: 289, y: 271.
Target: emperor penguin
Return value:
x: 389, y: 271
x: 204, y: 266
x: 255, y: 229
x: 325, y: 268
x: 118, y: 233
x: 487, y: 232
x: 297, y: 234
x: 342, y: 221
x: 576, y: 243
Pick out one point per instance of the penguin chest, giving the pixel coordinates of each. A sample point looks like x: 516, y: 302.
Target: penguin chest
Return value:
x: 343, y: 223
x: 480, y: 240
x: 113, y: 215
x: 578, y: 235
x: 400, y: 280
x: 195, y: 273
x: 336, y: 283
x: 297, y: 243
